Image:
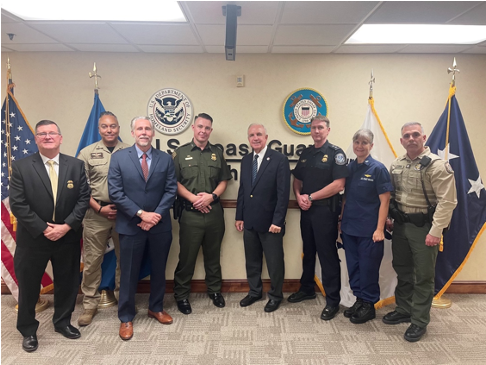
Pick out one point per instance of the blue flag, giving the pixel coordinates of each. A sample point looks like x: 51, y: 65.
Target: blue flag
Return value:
x: 90, y: 136
x: 450, y: 141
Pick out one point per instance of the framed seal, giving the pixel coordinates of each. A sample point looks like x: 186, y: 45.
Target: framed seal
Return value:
x: 300, y: 107
x: 170, y: 110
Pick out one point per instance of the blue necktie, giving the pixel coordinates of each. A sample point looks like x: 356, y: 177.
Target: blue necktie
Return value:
x: 254, y: 169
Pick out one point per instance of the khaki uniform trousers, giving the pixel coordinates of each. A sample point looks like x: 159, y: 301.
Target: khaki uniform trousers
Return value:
x: 97, y: 230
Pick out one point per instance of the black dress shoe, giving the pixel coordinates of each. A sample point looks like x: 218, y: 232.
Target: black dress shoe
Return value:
x: 364, y: 313
x: 68, y: 331
x: 395, y: 318
x: 272, y: 305
x: 414, y: 333
x: 184, y: 306
x: 300, y: 296
x: 329, y: 312
x: 348, y: 313
x: 218, y: 300
x: 248, y: 300
x: 30, y: 343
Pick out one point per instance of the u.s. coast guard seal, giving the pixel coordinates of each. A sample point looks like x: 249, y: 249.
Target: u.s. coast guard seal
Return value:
x: 170, y: 110
x: 300, y: 107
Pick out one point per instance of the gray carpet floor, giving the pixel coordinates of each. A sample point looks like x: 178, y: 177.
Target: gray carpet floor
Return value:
x: 293, y: 335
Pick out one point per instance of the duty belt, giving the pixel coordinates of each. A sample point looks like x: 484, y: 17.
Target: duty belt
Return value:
x: 102, y: 203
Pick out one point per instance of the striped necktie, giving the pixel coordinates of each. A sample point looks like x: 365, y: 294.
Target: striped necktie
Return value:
x: 254, y: 170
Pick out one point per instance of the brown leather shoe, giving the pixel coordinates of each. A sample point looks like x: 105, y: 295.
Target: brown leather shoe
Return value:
x: 126, y: 330
x: 162, y: 317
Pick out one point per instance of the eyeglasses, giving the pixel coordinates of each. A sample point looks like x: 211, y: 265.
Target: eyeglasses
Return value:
x: 50, y: 134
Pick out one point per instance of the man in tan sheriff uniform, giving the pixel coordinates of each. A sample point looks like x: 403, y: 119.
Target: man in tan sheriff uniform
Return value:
x: 417, y: 228
x: 99, y: 222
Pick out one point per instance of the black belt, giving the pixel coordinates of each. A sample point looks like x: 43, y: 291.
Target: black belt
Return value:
x: 103, y: 204
x: 321, y: 202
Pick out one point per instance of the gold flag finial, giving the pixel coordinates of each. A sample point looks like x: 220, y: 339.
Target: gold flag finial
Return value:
x: 371, y: 82
x: 454, y: 69
x: 95, y: 75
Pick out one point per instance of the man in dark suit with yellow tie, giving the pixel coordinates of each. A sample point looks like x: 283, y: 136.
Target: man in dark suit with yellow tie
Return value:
x: 49, y: 196
x: 142, y: 184
x: 263, y: 198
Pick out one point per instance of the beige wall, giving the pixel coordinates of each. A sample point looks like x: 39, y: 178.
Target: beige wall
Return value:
x: 408, y: 87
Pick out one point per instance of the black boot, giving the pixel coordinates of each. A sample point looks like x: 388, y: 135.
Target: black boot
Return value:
x: 348, y: 313
x: 364, y: 313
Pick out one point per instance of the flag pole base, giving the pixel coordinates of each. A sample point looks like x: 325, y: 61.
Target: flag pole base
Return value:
x: 42, y: 305
x: 441, y: 303
x: 107, y: 299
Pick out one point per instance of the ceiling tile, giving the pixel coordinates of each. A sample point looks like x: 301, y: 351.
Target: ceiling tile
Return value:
x: 170, y: 49
x: 302, y: 49
x: 156, y: 33
x: 419, y: 12
x: 86, y: 47
x: 216, y: 49
x: 433, y: 48
x: 385, y: 48
x: 51, y: 47
x: 252, y: 12
x: 23, y: 34
x: 79, y: 32
x: 311, y: 35
x: 326, y: 12
x: 476, y: 16
x: 239, y: 49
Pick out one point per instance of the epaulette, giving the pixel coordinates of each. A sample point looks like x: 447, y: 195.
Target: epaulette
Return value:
x: 334, y: 146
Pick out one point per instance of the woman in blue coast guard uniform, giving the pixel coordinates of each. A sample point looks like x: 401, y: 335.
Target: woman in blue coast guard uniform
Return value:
x: 365, y: 208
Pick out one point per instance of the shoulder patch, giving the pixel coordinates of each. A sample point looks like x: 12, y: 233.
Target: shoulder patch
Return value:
x: 448, y: 168
x: 174, y: 154
x: 340, y: 159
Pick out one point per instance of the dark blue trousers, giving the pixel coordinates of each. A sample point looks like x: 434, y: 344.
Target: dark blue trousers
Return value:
x: 131, y: 254
x: 319, y: 231
x: 363, y: 259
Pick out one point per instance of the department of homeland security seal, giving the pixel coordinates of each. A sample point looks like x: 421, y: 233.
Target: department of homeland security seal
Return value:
x: 170, y: 110
x: 300, y: 107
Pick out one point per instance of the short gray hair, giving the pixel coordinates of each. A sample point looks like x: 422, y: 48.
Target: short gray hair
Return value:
x: 132, y: 123
x: 322, y: 118
x: 410, y: 124
x: 257, y: 125
x: 364, y: 133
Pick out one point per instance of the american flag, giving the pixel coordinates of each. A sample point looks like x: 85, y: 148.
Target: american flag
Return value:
x: 17, y: 142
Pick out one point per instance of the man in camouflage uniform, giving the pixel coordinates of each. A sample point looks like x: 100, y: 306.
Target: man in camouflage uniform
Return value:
x: 421, y: 181
x: 202, y: 176
x: 99, y: 222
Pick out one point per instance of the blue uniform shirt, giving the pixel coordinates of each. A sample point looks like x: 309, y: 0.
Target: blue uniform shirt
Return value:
x: 366, y: 181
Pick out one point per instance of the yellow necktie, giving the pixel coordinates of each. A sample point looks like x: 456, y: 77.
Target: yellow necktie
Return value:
x: 53, y: 177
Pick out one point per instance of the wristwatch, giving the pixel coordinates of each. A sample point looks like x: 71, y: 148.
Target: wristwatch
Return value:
x: 310, y: 197
x: 139, y: 212
x: 214, y: 197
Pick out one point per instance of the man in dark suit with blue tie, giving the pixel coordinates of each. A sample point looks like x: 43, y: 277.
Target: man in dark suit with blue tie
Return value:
x: 263, y: 198
x: 49, y: 196
x: 143, y: 185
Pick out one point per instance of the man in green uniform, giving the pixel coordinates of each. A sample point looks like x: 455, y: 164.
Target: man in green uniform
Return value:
x: 202, y: 176
x: 424, y: 197
x: 99, y: 222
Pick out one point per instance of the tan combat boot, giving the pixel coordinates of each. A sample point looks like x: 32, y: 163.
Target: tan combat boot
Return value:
x: 87, y: 317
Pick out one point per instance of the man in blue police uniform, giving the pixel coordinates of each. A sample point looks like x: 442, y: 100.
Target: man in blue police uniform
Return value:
x: 319, y: 176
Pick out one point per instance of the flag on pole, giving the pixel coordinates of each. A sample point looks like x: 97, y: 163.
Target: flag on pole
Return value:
x: 17, y: 142
x: 450, y: 141
x: 382, y: 151
x: 90, y: 136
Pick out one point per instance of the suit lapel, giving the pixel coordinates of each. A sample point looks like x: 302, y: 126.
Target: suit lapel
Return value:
x: 263, y: 166
x: 153, y: 164
x: 61, y: 181
x: 136, y: 161
x: 40, y: 169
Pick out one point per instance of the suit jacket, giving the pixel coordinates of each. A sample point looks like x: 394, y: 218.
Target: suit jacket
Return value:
x: 32, y: 203
x: 265, y: 203
x: 130, y: 192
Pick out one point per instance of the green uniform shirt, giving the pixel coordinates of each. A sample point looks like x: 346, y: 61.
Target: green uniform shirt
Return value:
x: 96, y: 159
x: 200, y: 170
